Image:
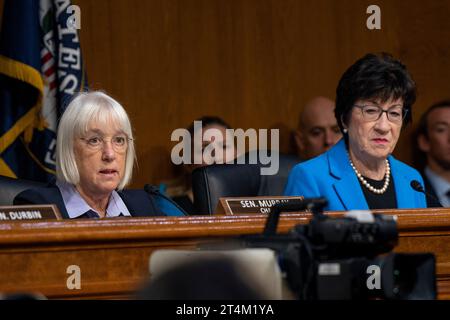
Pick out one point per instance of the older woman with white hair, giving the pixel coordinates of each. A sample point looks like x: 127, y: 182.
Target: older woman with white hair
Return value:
x: 94, y: 162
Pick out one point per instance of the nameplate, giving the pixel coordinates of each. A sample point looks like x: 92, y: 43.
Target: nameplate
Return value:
x: 250, y: 205
x: 29, y: 212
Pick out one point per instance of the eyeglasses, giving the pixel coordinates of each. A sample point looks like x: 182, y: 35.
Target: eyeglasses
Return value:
x: 394, y: 114
x: 119, y: 143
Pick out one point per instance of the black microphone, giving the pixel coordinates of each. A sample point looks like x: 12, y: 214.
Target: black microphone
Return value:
x: 154, y: 190
x: 419, y: 188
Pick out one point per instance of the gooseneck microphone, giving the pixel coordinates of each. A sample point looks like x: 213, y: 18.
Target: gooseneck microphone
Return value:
x: 416, y: 185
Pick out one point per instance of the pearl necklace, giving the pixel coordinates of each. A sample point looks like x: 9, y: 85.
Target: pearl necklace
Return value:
x: 367, y: 185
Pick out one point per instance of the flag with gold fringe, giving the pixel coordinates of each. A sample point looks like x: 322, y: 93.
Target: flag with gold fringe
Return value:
x: 41, y: 68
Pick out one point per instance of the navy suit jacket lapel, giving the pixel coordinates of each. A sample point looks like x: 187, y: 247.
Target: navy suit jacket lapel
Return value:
x: 54, y: 194
x: 346, y: 184
x: 139, y: 203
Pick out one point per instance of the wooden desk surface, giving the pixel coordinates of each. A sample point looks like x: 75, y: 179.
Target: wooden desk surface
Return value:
x: 113, y: 254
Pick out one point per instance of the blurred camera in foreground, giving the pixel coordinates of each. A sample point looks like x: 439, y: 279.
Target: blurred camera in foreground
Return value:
x: 346, y: 258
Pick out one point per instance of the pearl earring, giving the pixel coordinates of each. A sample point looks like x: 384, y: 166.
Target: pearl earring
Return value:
x: 345, y: 130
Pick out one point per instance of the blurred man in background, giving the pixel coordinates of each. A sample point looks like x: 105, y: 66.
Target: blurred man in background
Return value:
x: 433, y: 139
x: 317, y: 129
x: 180, y: 190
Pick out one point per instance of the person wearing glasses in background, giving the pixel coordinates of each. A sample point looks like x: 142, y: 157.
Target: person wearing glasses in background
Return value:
x: 374, y: 99
x: 94, y: 162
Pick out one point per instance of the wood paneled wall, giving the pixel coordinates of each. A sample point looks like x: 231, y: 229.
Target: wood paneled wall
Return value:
x: 252, y: 62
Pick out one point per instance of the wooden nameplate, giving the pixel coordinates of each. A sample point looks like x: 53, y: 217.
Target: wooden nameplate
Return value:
x: 29, y: 212
x: 249, y: 205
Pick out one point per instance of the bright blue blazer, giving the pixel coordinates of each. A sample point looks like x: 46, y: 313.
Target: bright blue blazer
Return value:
x: 331, y: 176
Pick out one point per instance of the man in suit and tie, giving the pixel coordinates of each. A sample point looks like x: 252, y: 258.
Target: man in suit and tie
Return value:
x: 433, y: 139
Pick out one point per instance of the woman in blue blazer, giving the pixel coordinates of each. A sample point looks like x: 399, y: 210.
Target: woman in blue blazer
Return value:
x: 373, y: 102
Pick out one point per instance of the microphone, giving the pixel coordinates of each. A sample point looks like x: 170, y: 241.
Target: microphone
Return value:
x: 419, y: 188
x: 153, y: 190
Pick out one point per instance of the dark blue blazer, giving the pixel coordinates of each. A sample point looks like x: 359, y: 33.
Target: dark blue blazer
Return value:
x: 432, y: 199
x: 331, y: 176
x: 138, y: 202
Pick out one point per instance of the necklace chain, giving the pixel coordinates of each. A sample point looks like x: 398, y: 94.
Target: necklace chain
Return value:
x: 367, y: 184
